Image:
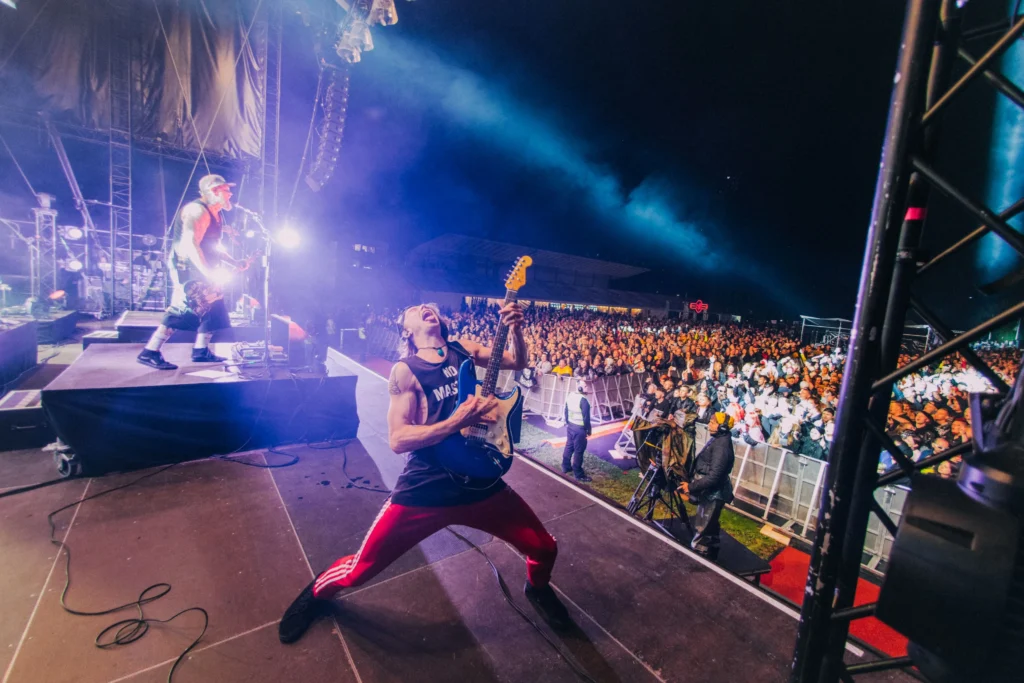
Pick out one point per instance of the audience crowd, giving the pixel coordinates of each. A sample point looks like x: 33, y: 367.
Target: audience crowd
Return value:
x: 779, y: 390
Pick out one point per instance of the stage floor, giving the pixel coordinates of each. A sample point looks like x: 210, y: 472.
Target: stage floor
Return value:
x: 241, y: 542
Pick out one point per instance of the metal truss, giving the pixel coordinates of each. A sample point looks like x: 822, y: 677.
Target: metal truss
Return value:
x: 43, y: 268
x: 122, y: 294
x: 268, y: 180
x: 931, y: 45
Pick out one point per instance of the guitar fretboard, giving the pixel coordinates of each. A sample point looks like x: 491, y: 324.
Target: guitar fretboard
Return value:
x: 497, y: 351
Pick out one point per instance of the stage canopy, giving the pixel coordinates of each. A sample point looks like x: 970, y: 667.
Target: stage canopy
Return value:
x: 191, y: 61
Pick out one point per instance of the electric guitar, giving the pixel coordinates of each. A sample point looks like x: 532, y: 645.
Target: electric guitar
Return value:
x: 200, y: 295
x: 484, y: 451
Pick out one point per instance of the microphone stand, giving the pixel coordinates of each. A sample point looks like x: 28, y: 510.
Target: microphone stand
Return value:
x: 266, y: 281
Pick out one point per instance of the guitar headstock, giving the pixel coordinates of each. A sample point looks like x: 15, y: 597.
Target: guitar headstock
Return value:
x: 517, y: 278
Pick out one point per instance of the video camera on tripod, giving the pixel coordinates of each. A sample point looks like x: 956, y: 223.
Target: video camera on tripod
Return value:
x: 664, y: 469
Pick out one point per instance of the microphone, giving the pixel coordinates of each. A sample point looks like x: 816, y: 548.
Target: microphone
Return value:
x: 245, y: 210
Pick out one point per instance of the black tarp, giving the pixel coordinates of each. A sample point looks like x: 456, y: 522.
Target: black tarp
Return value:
x: 55, y: 57
x: 117, y: 414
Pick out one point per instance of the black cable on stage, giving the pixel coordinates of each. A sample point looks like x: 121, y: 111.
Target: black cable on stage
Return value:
x: 569, y: 659
x: 343, y: 445
x: 126, y: 631
x: 32, y: 487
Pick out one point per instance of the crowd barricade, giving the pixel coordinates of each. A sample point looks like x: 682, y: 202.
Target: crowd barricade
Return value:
x: 611, y: 398
x: 784, y: 488
x: 625, y: 446
x: 878, y: 541
x: 383, y: 343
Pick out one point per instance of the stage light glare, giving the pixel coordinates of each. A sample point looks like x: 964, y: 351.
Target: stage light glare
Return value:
x: 74, y: 266
x: 10, y: 3
x: 221, y: 276
x: 288, y: 237
x: 72, y: 233
x: 250, y: 233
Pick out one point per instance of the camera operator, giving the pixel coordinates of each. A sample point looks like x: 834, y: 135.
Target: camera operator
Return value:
x: 710, y: 488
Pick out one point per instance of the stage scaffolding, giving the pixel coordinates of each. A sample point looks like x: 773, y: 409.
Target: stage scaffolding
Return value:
x: 932, y: 43
x: 132, y: 265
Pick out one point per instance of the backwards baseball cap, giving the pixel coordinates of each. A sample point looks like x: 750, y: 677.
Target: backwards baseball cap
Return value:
x: 208, y: 182
x: 722, y: 422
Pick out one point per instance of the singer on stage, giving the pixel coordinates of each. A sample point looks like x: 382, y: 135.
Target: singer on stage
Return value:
x: 196, y: 302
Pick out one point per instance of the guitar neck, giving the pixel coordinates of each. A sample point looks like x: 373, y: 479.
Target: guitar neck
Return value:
x: 497, y: 351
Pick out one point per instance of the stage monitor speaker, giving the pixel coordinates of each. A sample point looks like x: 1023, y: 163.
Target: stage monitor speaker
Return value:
x: 290, y: 338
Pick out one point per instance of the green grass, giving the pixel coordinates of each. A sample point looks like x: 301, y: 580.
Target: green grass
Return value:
x: 618, y: 485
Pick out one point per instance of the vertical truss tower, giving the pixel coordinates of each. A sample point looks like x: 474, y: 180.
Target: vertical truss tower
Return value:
x: 924, y: 87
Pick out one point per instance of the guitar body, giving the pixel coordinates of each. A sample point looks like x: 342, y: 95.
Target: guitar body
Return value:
x: 483, y: 452
x: 200, y: 296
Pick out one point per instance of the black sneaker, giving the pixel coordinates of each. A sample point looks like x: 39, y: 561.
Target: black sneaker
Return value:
x: 584, y: 479
x: 550, y: 607
x: 155, y: 359
x: 205, y: 356
x: 301, y: 614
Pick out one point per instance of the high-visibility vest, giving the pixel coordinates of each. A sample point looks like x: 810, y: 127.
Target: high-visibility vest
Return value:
x: 574, y: 403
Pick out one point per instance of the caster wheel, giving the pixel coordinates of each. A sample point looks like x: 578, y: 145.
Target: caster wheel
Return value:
x: 68, y: 466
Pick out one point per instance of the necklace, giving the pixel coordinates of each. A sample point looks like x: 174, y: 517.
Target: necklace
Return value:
x: 439, y: 349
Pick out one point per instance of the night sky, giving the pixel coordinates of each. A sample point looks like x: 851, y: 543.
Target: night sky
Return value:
x: 732, y: 146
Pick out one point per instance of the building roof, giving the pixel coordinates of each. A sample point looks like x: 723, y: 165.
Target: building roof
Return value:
x: 501, y: 252
x: 440, y: 281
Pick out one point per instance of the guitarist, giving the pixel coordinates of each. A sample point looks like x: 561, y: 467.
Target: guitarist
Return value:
x: 427, y: 497
x: 195, y: 253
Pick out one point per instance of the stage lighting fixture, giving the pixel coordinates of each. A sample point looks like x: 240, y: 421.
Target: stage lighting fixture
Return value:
x: 72, y: 233
x: 250, y: 233
x: 74, y: 266
x: 288, y: 237
x: 149, y: 240
x: 10, y: 3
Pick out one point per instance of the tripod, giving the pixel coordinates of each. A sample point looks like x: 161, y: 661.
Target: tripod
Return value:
x: 658, y: 485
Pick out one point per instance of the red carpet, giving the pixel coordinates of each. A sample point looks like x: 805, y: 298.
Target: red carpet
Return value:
x: 789, y: 577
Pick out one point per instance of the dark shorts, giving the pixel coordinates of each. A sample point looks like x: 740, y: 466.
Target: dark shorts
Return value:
x: 185, y: 319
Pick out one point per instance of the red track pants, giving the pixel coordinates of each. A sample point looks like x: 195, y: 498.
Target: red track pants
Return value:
x: 400, y: 527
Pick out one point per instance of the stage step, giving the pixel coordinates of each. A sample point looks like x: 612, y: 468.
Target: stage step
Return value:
x: 100, y: 337
x: 23, y: 422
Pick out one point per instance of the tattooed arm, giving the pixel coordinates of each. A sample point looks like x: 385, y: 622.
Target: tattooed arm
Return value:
x: 405, y: 434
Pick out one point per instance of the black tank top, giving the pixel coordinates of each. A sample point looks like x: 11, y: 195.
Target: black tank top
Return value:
x: 424, y: 482
x: 208, y: 245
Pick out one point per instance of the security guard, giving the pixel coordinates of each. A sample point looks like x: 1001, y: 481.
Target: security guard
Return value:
x: 577, y: 429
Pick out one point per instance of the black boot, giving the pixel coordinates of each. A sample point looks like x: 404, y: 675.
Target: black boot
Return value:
x: 204, y: 355
x: 155, y: 359
x: 550, y: 607
x: 301, y: 614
